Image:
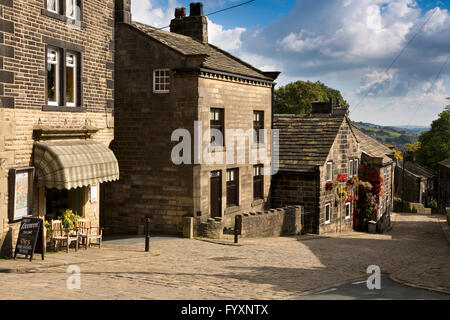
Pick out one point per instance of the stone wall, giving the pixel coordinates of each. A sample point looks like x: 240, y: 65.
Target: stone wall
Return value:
x: 269, y: 223
x: 26, y: 28
x: 290, y: 188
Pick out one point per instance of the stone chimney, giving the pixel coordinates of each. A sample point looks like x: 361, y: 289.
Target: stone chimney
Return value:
x: 194, y: 26
x: 322, y: 107
x: 123, y: 11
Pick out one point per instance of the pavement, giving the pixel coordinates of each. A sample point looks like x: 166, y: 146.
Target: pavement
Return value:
x: 415, y: 253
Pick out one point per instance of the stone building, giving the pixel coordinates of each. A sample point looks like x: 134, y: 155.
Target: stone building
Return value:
x: 443, y: 193
x: 382, y: 159
x: 420, y: 183
x: 56, y: 109
x: 166, y: 81
x: 314, y: 150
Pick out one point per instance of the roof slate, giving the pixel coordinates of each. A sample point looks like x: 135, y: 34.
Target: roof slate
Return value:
x: 373, y: 147
x: 445, y: 163
x: 417, y: 169
x: 305, y: 140
x: 216, y: 59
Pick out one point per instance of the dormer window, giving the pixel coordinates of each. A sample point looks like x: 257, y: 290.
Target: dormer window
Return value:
x: 161, y: 81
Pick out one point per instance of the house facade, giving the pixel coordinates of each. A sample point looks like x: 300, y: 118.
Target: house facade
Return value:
x: 316, y: 151
x: 420, y: 183
x: 378, y: 157
x: 176, y: 97
x: 56, y: 109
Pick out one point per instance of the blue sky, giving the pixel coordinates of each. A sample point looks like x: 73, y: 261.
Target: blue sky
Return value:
x: 346, y: 44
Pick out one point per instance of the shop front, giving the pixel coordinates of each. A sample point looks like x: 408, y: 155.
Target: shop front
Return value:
x: 69, y: 174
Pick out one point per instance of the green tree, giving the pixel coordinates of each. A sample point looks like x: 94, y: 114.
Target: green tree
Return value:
x: 435, y: 143
x: 296, y: 97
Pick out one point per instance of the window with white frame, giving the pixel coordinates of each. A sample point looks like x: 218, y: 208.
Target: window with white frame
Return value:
x: 348, y: 210
x: 161, y: 81
x: 327, y: 213
x: 71, y: 79
x: 71, y: 6
x: 53, y: 6
x: 356, y: 167
x: 350, y: 168
x: 329, y: 171
x: 53, y: 77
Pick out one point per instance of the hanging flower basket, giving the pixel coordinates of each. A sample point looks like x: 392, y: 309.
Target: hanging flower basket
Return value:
x: 342, y: 177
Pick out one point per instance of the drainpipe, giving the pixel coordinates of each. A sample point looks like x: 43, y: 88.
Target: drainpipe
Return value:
x: 317, y: 220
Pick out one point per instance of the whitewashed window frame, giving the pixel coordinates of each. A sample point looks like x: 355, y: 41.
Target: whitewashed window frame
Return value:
x: 57, y: 76
x: 73, y: 65
x: 157, y: 78
x: 329, y: 172
x: 356, y: 167
x: 350, y: 168
x: 74, y: 7
x: 328, y: 221
x: 349, y: 205
x: 56, y: 9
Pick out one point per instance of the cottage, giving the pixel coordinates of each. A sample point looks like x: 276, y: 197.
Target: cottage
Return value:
x: 378, y: 157
x: 419, y: 183
x: 318, y: 153
x: 56, y: 107
x: 171, y: 88
x: 444, y: 185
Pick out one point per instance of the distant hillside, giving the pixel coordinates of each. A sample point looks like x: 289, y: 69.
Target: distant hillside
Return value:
x: 398, y: 137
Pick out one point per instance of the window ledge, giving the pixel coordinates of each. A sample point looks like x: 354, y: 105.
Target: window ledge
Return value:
x: 63, y: 109
x: 257, y: 202
x: 73, y: 23
x: 232, y: 209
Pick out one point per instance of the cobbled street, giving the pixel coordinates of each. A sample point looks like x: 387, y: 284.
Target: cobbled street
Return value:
x: 415, y: 252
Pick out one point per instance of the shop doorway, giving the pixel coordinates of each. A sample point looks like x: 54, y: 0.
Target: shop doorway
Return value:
x: 57, y: 201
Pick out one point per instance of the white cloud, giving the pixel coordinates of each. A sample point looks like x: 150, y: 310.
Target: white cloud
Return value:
x: 229, y: 39
x: 149, y: 12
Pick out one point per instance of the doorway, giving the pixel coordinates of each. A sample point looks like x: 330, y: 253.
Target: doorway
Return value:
x: 216, y: 194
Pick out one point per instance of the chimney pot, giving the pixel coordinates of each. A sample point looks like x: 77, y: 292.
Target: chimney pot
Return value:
x: 196, y: 9
x: 180, y: 13
x: 194, y: 26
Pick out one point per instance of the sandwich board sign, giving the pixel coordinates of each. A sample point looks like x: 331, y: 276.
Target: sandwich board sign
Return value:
x: 31, y: 238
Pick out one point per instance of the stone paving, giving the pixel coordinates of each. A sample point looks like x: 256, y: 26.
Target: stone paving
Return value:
x: 414, y: 252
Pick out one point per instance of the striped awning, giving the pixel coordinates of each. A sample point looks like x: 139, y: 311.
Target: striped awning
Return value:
x: 74, y: 164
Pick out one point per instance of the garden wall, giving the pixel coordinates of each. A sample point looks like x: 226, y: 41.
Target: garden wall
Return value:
x: 271, y: 223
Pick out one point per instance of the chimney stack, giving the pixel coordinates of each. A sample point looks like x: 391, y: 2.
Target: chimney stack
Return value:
x: 122, y: 11
x: 194, y: 26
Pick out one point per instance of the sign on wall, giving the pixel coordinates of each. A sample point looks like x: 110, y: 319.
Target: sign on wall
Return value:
x: 21, y: 193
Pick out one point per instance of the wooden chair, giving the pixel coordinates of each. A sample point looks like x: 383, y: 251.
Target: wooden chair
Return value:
x: 59, y: 235
x: 87, y: 233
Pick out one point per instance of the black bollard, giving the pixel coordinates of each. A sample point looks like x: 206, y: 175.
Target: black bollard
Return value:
x: 147, y: 235
x: 237, y: 226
